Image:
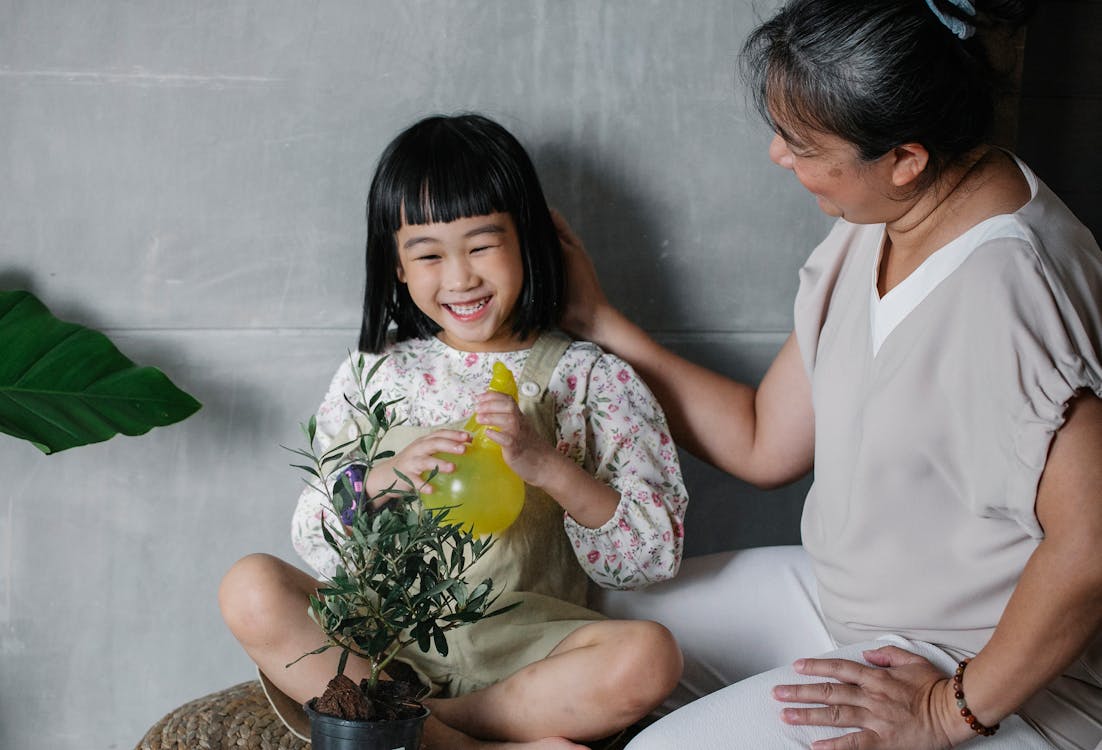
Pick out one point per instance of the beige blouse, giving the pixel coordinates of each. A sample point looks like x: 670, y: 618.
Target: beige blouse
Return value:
x: 929, y: 448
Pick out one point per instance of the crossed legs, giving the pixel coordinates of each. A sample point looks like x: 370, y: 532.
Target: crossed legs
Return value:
x: 598, y: 680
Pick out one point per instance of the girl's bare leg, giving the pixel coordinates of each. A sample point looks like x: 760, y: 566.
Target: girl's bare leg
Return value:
x: 601, y: 678
x: 264, y: 602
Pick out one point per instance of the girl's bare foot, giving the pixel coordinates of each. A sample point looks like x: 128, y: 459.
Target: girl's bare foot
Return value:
x: 547, y: 743
x: 439, y: 736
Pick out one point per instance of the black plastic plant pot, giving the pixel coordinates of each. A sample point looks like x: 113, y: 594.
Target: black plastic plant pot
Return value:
x: 331, y: 733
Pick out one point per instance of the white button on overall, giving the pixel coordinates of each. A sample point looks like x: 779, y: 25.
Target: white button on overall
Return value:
x: 529, y: 389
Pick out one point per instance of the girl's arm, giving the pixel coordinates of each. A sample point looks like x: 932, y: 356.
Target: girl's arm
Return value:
x: 615, y: 472
x: 332, y: 417
x: 619, y: 433
x: 764, y: 436
x: 589, y: 501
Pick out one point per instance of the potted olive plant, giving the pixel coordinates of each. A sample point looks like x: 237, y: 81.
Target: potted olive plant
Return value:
x: 399, y: 581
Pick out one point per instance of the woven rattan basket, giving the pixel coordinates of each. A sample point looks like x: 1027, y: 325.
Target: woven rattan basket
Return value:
x: 237, y: 717
x: 241, y: 717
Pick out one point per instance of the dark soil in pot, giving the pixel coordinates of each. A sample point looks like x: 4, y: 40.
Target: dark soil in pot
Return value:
x: 344, y: 718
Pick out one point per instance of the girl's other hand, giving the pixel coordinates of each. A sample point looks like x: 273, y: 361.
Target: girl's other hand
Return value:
x: 584, y: 296
x: 419, y: 457
x: 526, y: 453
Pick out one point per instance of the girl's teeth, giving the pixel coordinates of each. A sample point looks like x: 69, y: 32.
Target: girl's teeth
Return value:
x: 468, y: 309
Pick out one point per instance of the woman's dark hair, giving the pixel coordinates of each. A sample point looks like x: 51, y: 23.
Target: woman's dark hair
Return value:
x: 879, y: 73
x: 445, y: 168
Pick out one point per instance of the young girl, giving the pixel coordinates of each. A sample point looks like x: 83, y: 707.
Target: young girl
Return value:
x: 464, y: 268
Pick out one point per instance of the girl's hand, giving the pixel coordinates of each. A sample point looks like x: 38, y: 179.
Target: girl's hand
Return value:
x: 905, y: 703
x: 584, y: 296
x: 526, y: 453
x: 418, y: 458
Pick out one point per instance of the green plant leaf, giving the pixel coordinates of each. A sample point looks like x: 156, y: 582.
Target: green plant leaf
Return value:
x: 400, y: 580
x: 63, y: 385
x: 309, y: 469
x: 432, y: 592
x: 440, y: 641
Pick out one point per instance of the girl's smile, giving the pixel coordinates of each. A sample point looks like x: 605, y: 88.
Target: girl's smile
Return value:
x: 469, y: 311
x: 466, y: 276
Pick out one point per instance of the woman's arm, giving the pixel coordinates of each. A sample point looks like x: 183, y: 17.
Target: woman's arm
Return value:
x: 1056, y: 609
x: 764, y: 436
x: 1053, y: 615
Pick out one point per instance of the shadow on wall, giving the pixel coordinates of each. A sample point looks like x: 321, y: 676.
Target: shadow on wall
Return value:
x: 724, y: 513
x: 11, y: 279
x: 606, y: 213
x: 179, y: 355
x: 1060, y: 112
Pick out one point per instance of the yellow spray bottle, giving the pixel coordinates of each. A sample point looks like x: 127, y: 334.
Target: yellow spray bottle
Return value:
x: 486, y: 494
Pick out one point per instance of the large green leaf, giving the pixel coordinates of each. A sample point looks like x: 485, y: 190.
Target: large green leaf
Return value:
x: 64, y: 385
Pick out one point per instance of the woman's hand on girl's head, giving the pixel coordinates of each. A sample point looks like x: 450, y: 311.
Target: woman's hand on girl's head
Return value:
x: 419, y: 458
x: 584, y: 296
x: 904, y: 701
x: 523, y: 449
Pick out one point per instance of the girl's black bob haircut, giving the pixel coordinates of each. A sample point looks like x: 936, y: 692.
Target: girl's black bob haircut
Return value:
x: 445, y: 168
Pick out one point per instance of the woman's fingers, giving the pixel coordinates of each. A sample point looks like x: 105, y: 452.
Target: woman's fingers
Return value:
x: 893, y: 702
x: 566, y: 234
x: 891, y: 656
x: 842, y: 716
x: 843, y: 670
x: 863, y: 740
x: 830, y: 693
x: 584, y: 294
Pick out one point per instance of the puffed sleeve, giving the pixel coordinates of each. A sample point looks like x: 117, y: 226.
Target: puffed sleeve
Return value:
x: 614, y: 427
x: 332, y: 416
x: 1038, y: 312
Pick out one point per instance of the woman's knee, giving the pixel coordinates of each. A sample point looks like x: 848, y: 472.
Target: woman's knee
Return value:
x: 256, y: 592
x: 741, y: 715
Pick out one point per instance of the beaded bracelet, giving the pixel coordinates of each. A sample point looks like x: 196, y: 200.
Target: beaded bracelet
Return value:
x: 958, y: 691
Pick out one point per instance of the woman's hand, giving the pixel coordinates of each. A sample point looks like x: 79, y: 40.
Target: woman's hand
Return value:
x: 417, y: 458
x: 584, y: 296
x: 526, y: 453
x: 902, y: 702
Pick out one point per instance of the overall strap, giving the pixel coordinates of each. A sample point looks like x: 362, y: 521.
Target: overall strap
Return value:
x: 532, y: 384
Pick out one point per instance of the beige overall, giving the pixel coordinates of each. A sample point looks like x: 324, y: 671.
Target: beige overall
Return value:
x: 532, y: 562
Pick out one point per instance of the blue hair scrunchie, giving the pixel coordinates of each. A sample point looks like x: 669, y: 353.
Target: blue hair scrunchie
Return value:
x: 962, y: 29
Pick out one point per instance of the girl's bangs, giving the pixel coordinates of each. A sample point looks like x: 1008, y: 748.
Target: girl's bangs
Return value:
x: 444, y: 192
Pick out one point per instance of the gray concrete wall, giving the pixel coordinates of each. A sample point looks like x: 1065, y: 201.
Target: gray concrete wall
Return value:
x: 190, y: 177
x: 1061, y: 103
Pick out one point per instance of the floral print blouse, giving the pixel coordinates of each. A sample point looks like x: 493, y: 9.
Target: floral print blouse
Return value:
x: 607, y: 421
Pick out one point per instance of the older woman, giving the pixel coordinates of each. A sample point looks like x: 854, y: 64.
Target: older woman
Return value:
x: 943, y: 379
